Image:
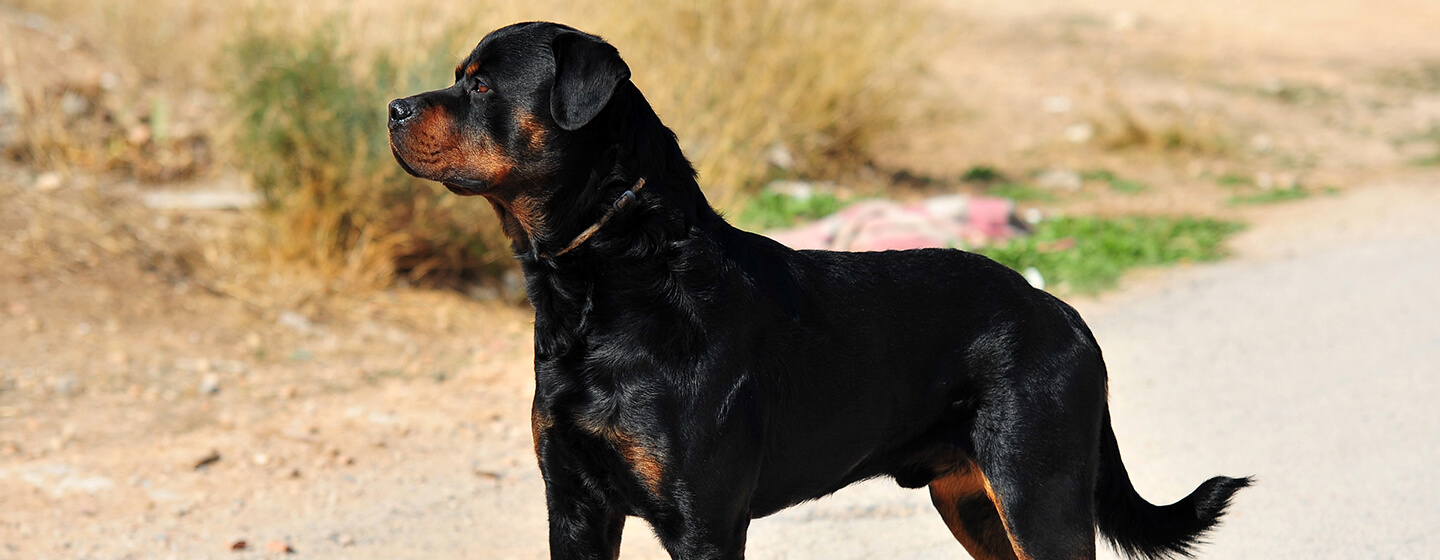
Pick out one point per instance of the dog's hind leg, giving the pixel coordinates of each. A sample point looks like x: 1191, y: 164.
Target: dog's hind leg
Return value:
x: 1037, y: 456
x: 970, y: 514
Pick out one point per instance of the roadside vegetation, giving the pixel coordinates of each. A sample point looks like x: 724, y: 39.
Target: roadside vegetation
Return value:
x: 757, y: 91
x: 1088, y: 254
x: 797, y: 88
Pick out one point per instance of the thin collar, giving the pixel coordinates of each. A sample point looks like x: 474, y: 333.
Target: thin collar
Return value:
x: 620, y: 203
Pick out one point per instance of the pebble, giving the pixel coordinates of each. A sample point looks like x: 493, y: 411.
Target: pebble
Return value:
x: 210, y: 384
x: 1060, y: 179
x: 66, y: 385
x: 294, y: 321
x: 1264, y: 180
x: 1056, y: 104
x: 49, y: 181
x: 1079, y: 133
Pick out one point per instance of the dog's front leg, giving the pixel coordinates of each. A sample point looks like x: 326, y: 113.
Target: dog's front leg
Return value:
x: 582, y: 525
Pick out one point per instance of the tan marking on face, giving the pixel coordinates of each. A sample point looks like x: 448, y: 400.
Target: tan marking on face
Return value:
x: 530, y: 129
x: 433, y: 147
x: 488, y: 161
x: 472, y: 68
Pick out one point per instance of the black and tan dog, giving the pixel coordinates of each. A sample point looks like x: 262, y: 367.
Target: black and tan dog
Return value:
x: 699, y: 376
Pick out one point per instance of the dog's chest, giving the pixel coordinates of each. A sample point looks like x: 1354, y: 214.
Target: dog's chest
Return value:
x: 610, y: 437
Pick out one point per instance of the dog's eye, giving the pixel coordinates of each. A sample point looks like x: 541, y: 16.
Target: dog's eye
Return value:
x: 480, y: 87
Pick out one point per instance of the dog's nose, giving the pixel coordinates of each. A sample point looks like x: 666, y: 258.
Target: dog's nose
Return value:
x: 401, y: 109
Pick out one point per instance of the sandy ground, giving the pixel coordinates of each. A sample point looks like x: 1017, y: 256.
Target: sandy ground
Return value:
x: 153, y: 407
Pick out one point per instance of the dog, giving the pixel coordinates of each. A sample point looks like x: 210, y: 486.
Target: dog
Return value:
x: 699, y: 376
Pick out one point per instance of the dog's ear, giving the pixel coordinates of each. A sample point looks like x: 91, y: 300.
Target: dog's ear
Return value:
x: 586, y: 73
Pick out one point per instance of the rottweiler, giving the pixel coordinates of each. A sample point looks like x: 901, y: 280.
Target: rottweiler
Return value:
x: 699, y: 376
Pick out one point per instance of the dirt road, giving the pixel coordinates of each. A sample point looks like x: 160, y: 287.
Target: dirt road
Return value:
x: 1308, y: 361
x: 146, y: 413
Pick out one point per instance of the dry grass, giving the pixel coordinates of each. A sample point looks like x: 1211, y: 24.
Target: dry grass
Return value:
x: 736, y: 80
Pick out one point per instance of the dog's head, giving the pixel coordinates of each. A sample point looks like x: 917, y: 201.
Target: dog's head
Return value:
x: 514, y: 121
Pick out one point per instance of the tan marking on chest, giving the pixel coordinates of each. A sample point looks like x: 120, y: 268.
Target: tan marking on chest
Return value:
x: 645, y: 461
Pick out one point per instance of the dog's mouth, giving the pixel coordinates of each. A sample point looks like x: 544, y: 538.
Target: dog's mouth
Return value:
x: 462, y: 187
x: 401, y: 160
x: 467, y: 189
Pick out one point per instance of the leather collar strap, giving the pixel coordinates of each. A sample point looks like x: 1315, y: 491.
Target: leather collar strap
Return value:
x: 620, y: 203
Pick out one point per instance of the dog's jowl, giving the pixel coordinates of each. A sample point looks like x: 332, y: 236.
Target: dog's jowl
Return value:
x: 699, y: 376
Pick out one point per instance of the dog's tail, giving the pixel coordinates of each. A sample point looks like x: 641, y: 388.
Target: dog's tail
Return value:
x: 1140, y: 529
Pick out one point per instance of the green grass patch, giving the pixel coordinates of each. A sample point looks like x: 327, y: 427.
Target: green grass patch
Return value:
x: 771, y: 210
x: 1427, y: 161
x: 1430, y: 136
x: 1087, y: 254
x: 1116, y: 183
x: 982, y: 174
x: 1271, y: 196
x: 1019, y: 192
x: 1234, y: 180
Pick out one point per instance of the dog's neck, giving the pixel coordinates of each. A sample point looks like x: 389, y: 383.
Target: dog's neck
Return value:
x: 639, y: 149
x: 667, y: 223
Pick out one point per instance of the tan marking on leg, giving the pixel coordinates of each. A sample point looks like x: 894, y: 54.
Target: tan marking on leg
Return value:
x: 978, y: 536
x: 539, y: 424
x: 1020, y: 553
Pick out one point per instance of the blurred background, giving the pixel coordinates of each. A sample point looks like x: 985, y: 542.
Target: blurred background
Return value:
x: 230, y: 325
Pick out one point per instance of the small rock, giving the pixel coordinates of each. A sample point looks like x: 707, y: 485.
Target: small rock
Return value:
x: 1124, y: 20
x: 138, y: 134
x: 1055, y: 104
x: 1061, y: 180
x: 48, y: 181
x: 210, y: 384
x: 798, y: 190
x: 294, y: 321
x: 239, y: 545
x: 74, y: 104
x: 1262, y: 143
x: 279, y: 546
x: 1079, y: 133
x: 779, y: 156
x: 200, y: 200
x: 67, y: 385
x: 1264, y: 180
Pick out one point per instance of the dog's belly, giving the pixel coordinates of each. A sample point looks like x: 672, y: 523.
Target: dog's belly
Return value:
x: 811, y: 454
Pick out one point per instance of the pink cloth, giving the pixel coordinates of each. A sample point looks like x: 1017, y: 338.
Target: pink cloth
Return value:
x: 878, y: 225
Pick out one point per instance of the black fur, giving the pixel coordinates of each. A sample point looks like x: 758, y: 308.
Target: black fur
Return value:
x: 699, y: 376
